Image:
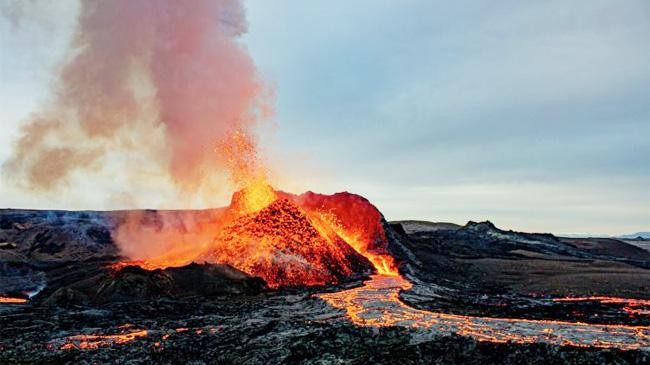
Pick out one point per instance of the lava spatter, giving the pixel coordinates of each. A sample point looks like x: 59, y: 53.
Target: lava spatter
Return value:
x: 281, y: 245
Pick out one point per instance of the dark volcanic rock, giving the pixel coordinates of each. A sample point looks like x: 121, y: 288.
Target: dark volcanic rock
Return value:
x: 263, y: 330
x: 36, y: 244
x: 52, y: 237
x: 20, y: 279
x: 482, y: 270
x: 609, y: 247
x: 134, y: 283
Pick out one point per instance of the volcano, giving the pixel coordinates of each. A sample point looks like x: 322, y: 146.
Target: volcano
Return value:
x: 284, y: 247
x: 286, y: 239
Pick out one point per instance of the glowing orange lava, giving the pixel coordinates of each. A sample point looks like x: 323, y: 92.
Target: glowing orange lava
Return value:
x: 633, y: 307
x: 377, y: 303
x: 257, y: 197
x: 281, y: 245
x: 85, y: 342
x: 239, y: 154
x: 606, y: 300
x: 327, y: 221
x: 11, y: 300
x: 286, y: 239
x: 354, y: 219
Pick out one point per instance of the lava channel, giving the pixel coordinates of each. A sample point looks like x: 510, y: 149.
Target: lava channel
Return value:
x: 377, y: 304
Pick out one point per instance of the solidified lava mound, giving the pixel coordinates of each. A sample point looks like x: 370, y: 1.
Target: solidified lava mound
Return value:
x: 135, y: 283
x: 282, y: 245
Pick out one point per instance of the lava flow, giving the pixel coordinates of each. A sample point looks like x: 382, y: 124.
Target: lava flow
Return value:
x: 633, y: 307
x: 377, y: 303
x: 11, y: 300
x: 93, y: 341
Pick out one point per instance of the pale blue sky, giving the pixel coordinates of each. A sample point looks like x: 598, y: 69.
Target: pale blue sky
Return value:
x: 535, y: 115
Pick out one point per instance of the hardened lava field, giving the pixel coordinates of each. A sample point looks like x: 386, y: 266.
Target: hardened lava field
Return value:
x: 319, y: 287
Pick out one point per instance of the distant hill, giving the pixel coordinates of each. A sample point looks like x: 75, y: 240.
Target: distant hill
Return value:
x: 644, y: 235
x: 631, y: 236
x: 412, y: 226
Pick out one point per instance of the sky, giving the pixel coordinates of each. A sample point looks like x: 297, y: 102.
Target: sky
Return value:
x: 534, y: 115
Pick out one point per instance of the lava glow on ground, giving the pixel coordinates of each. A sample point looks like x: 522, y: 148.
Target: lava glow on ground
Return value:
x: 92, y: 341
x: 11, y: 300
x: 633, y: 307
x: 377, y: 303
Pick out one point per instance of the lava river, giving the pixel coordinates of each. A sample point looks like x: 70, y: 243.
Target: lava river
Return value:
x: 377, y: 304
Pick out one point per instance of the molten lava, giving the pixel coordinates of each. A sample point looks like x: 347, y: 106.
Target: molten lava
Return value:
x: 286, y: 239
x: 92, y: 341
x: 633, y: 307
x: 281, y: 245
x: 377, y: 304
x: 11, y: 300
x: 355, y: 220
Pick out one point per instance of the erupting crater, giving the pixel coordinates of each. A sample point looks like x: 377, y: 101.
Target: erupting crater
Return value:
x: 286, y: 239
x: 281, y: 245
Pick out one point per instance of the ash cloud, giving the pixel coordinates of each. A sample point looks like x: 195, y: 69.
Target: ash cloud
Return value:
x: 147, y: 88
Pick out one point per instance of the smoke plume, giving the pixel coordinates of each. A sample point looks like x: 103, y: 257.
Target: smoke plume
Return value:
x: 156, y: 88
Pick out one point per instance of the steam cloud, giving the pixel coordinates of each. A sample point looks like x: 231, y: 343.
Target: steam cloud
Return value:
x: 147, y: 83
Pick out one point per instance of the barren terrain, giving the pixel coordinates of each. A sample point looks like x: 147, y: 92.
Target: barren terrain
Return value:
x: 472, y: 294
